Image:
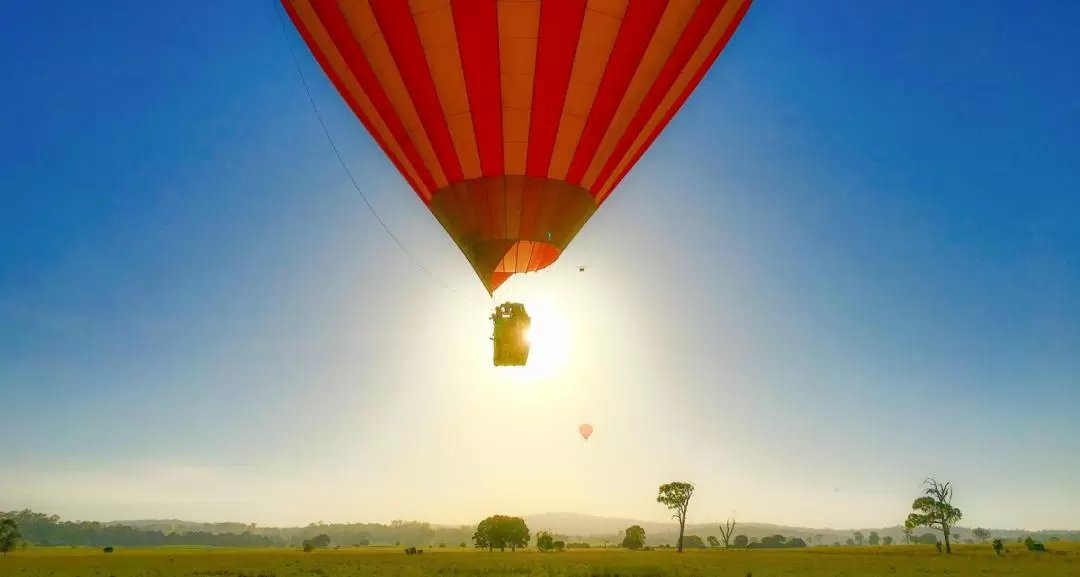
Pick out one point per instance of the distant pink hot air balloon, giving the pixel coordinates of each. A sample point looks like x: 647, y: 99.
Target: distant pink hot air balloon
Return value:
x: 585, y: 430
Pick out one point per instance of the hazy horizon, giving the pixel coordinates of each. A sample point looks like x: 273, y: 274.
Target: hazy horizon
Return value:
x: 851, y: 262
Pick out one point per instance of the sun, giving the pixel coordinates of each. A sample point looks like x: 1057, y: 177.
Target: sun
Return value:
x: 549, y: 340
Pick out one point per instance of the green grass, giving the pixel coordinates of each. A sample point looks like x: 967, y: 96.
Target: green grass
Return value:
x: 1063, y: 560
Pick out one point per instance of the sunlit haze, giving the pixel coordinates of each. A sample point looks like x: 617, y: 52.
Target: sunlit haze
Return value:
x: 852, y: 261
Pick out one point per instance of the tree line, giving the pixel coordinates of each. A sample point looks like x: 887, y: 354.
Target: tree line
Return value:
x: 933, y: 510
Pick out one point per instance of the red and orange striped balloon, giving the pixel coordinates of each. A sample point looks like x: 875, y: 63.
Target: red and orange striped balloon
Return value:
x: 513, y: 120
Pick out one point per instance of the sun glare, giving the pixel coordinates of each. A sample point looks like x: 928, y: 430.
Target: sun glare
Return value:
x: 549, y: 340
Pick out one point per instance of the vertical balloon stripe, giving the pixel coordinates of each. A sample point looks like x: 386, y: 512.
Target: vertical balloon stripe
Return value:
x: 435, y: 25
x: 342, y: 37
x: 519, y: 22
x: 560, y: 28
x: 599, y: 29
x: 398, y: 27
x: 637, y: 29
x: 704, y: 17
x: 477, y: 25
x: 667, y: 34
x: 725, y: 26
x: 385, y: 129
x: 363, y: 29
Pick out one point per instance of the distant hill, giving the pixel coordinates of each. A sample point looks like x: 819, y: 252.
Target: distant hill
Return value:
x: 598, y: 529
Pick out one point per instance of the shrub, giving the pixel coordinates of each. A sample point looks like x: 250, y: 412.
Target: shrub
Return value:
x: 108, y: 549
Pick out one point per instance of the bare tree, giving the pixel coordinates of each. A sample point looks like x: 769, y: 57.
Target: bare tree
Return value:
x: 727, y: 530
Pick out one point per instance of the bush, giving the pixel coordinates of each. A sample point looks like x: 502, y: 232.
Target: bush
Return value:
x: 1033, y: 545
x: 998, y: 546
x: 308, y: 546
x: 108, y: 549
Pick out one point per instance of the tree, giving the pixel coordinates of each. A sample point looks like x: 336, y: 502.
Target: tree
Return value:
x: 858, y: 538
x: 998, y: 546
x: 927, y: 539
x: 692, y: 542
x: 908, y: 538
x: 874, y: 539
x: 501, y: 531
x: 544, y: 541
x: 887, y: 540
x: 9, y: 535
x: 634, y: 538
x: 676, y: 496
x: 713, y: 542
x: 850, y: 542
x: 560, y: 545
x: 935, y: 509
x: 322, y: 540
x: 741, y: 541
x: 726, y: 530
x: 981, y: 534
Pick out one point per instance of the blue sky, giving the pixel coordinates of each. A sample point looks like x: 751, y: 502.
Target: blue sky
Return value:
x: 850, y: 262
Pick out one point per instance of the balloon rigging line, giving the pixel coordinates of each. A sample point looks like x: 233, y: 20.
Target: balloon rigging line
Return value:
x: 341, y: 160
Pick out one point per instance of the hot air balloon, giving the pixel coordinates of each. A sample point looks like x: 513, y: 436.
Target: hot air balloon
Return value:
x: 585, y: 430
x: 514, y: 120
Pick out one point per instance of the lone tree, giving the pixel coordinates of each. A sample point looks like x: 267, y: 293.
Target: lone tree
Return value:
x: 935, y: 509
x: 874, y: 538
x: 741, y: 541
x: 634, y: 538
x: 544, y: 541
x: 726, y: 530
x: 887, y: 540
x: 9, y: 535
x: 676, y: 496
x: 858, y: 538
x: 501, y: 531
x: 981, y: 534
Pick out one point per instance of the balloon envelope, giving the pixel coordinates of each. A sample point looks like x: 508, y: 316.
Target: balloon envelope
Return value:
x: 514, y: 120
x: 585, y: 430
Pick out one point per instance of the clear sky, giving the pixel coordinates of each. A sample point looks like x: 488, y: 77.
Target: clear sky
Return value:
x: 850, y: 262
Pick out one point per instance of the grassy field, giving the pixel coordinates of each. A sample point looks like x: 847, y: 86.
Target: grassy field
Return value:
x: 1062, y: 560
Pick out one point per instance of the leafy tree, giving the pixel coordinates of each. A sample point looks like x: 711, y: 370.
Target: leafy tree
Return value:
x: 9, y: 535
x: 935, y: 509
x: 676, y: 496
x: 887, y: 540
x: 634, y: 538
x: 560, y: 545
x: 998, y: 546
x: 308, y: 546
x: 795, y: 542
x: 501, y: 531
x: 692, y: 542
x: 927, y: 539
x: 544, y: 541
x: 713, y: 541
x: 858, y: 538
x: 741, y: 541
x: 981, y: 534
x: 321, y: 540
x: 874, y: 538
x: 850, y: 542
x: 726, y: 531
